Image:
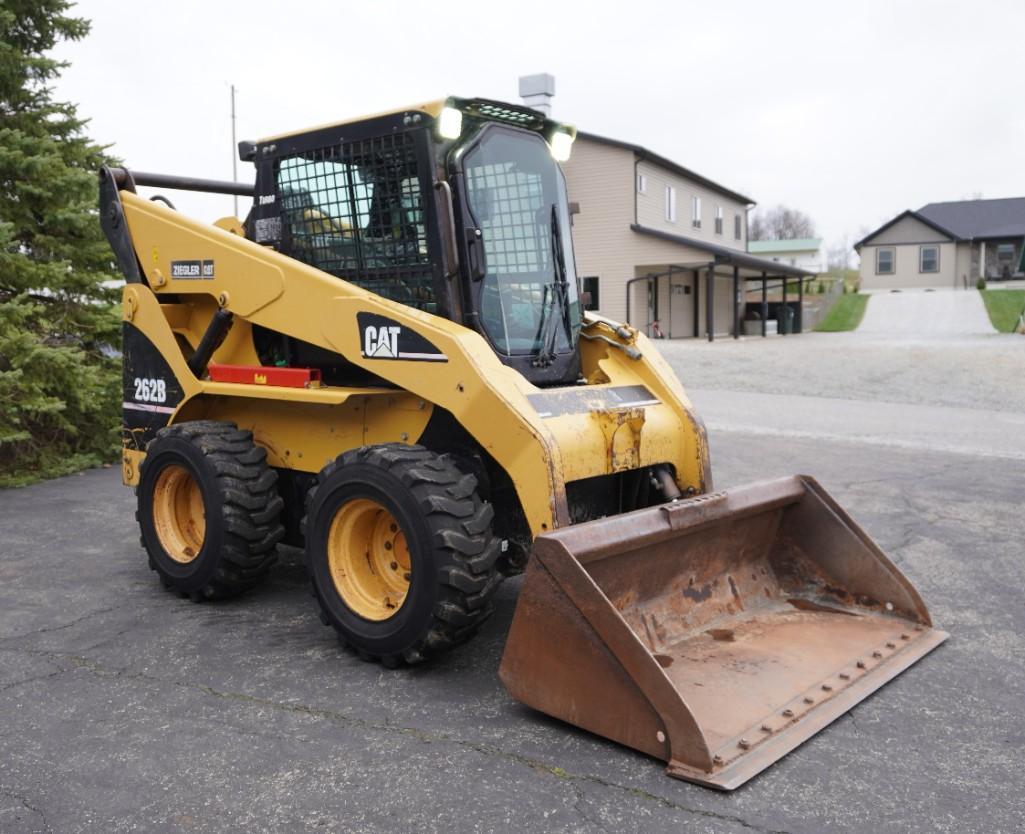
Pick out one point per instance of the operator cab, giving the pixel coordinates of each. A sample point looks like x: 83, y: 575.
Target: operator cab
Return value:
x: 456, y: 208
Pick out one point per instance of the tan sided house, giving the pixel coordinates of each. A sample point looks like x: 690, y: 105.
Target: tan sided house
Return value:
x: 665, y: 248
x: 946, y: 245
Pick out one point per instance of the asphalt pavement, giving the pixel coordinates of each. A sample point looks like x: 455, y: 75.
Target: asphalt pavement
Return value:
x: 127, y: 709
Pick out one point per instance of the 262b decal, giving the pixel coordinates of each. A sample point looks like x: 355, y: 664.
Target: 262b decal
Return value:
x: 150, y: 390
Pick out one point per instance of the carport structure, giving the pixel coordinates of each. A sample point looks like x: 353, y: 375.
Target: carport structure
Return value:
x: 698, y: 275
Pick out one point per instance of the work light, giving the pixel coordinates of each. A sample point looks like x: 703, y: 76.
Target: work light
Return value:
x: 450, y: 123
x: 562, y: 144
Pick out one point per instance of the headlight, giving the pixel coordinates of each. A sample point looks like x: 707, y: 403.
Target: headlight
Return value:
x: 562, y: 144
x: 450, y: 123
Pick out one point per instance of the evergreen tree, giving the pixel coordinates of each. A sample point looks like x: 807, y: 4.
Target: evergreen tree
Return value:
x: 59, y: 324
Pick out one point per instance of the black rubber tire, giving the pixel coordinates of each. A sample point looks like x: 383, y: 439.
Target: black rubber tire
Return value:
x: 240, y: 502
x: 453, y: 552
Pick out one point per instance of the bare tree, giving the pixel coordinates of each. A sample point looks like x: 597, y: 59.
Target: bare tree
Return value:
x: 780, y: 223
x: 838, y: 256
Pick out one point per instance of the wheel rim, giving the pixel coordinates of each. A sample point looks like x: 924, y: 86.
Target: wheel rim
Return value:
x: 178, y: 513
x: 368, y: 558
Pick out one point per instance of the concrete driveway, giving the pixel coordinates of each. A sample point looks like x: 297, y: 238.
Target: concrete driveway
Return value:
x: 127, y: 709
x: 917, y: 313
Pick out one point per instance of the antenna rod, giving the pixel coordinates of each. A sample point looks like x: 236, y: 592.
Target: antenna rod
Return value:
x: 234, y: 147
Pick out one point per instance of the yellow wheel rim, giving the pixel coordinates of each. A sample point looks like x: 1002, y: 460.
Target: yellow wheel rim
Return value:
x: 178, y: 513
x: 368, y: 558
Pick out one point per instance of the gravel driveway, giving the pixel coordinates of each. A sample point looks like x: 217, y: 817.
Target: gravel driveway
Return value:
x: 978, y: 372
x: 916, y: 313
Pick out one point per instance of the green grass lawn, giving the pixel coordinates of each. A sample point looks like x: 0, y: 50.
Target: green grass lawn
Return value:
x: 1004, y: 307
x: 845, y: 314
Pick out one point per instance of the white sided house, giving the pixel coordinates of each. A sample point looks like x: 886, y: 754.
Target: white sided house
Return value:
x: 805, y: 253
x: 946, y: 245
x: 665, y: 249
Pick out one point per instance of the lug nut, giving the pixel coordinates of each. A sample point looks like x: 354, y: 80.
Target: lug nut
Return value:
x: 808, y: 699
x: 406, y: 576
x: 788, y: 713
x: 861, y: 664
x: 387, y: 545
x: 844, y: 676
x: 394, y: 566
x: 877, y: 654
x: 744, y: 744
x: 766, y: 728
x: 826, y: 687
x: 891, y: 645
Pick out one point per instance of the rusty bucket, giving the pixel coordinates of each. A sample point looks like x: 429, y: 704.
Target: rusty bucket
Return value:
x: 715, y: 633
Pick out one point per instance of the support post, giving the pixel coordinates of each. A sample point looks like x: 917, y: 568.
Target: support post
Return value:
x: 765, y: 305
x: 669, y: 301
x: 654, y: 309
x: 710, y: 303
x: 697, y: 304
x: 800, y: 306
x: 736, y: 302
x: 783, y: 308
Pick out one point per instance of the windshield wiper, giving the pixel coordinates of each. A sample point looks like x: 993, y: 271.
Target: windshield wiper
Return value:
x: 556, y: 293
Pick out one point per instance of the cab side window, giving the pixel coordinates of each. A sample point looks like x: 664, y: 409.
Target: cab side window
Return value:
x: 356, y: 210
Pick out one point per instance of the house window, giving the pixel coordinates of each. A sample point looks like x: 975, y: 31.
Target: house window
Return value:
x: 1005, y: 253
x: 695, y: 212
x: 670, y: 204
x: 884, y: 261
x: 642, y: 184
x: 929, y: 259
x: 737, y: 227
x: 589, y: 284
x: 718, y: 220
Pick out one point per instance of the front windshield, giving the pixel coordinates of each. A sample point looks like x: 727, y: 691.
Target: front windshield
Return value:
x: 517, y: 196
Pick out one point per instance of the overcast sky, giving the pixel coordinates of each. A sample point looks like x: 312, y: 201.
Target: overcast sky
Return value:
x: 851, y: 112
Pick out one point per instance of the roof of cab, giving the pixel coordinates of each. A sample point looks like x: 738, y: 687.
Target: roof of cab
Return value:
x: 431, y: 108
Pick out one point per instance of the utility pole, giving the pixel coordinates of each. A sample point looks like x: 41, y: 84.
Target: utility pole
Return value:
x: 234, y: 148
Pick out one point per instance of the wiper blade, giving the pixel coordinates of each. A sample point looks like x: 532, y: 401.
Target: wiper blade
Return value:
x: 546, y: 331
x: 556, y: 293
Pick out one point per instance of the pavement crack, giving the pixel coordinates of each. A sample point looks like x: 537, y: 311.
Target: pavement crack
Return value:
x: 62, y: 626
x: 28, y: 806
x: 578, y: 806
x: 32, y: 679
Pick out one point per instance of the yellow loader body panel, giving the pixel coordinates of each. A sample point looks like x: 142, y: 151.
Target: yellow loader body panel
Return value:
x: 585, y: 436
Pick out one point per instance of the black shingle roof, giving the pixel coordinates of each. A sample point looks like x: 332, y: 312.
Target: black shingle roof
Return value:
x: 979, y: 218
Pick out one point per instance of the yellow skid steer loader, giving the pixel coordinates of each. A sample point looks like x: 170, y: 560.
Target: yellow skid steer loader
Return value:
x: 387, y: 364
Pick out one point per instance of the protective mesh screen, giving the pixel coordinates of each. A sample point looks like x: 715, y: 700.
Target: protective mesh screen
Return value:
x: 516, y: 238
x: 356, y: 210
